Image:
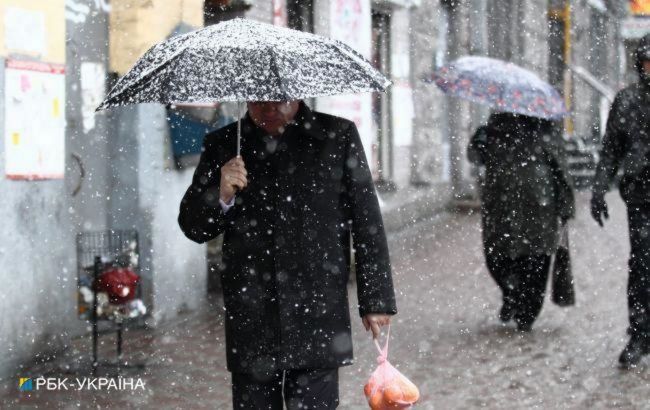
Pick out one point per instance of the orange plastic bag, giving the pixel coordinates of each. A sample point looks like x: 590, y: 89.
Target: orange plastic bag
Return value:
x: 387, y: 388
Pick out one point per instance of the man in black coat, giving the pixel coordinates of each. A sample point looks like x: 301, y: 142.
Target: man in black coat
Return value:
x: 287, y: 207
x: 626, y: 145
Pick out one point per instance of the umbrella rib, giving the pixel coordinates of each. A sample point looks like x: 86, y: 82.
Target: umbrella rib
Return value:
x: 352, y: 57
x: 142, y: 80
x: 275, y: 68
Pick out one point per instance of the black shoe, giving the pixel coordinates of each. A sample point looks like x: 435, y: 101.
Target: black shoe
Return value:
x: 524, y: 322
x: 636, y: 348
x: 524, y: 327
x: 507, y: 312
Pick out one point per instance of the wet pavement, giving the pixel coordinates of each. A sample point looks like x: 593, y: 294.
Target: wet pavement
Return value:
x: 446, y: 337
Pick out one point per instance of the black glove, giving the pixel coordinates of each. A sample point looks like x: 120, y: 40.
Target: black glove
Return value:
x: 599, y: 208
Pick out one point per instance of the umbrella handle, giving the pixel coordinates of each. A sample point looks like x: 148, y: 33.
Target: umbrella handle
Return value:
x: 238, y: 133
x: 238, y: 128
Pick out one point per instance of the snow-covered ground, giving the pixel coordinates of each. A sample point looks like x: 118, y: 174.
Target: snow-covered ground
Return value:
x: 446, y: 337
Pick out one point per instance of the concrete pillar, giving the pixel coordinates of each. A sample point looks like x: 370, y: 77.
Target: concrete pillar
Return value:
x: 146, y: 196
x: 88, y: 169
x: 401, y: 109
x: 429, y: 152
x: 459, y: 110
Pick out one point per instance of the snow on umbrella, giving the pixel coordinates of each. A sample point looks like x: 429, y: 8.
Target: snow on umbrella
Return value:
x: 244, y: 60
x: 502, y: 85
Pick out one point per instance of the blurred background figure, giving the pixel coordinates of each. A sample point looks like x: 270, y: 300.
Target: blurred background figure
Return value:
x: 526, y: 199
x: 626, y: 145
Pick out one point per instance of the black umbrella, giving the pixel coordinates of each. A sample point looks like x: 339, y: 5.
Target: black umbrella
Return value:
x: 244, y: 60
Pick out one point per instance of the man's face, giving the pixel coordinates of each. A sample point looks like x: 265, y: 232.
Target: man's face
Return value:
x: 646, y: 67
x: 272, y: 116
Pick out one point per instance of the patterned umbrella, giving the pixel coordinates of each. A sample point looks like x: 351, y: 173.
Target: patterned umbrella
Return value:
x: 244, y: 60
x: 502, y: 85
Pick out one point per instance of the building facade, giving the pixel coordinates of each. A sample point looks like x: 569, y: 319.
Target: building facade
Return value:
x: 118, y: 169
x: 68, y: 169
x: 576, y: 45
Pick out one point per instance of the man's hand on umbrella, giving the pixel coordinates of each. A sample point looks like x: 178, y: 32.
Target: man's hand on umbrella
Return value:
x: 233, y: 178
x: 374, y: 322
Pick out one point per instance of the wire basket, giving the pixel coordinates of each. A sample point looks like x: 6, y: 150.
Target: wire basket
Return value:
x: 109, y: 249
x: 104, y: 255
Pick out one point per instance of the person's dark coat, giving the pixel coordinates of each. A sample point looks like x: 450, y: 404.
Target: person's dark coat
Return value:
x: 526, y: 191
x: 287, y: 241
x: 626, y: 144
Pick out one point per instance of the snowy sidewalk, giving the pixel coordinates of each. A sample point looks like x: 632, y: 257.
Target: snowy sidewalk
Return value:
x: 446, y: 337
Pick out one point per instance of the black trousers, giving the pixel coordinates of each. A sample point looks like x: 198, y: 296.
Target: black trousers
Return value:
x: 301, y: 389
x: 638, y: 286
x: 522, y: 282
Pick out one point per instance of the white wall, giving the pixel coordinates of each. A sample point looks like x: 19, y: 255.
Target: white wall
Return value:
x: 147, y: 197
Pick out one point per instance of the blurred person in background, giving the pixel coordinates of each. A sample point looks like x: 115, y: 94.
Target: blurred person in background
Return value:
x: 626, y: 146
x: 526, y: 200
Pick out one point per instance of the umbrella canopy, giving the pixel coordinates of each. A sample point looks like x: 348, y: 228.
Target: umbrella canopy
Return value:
x: 502, y: 85
x: 244, y: 60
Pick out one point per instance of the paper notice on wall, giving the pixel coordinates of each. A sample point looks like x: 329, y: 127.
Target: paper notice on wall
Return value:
x: 34, y: 131
x: 403, y: 113
x: 93, y: 88
x: 24, y: 31
x: 280, y: 17
x: 635, y: 27
x: 350, y: 23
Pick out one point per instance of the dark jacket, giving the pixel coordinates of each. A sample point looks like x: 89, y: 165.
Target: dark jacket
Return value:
x: 526, y: 190
x: 626, y: 144
x: 287, y: 241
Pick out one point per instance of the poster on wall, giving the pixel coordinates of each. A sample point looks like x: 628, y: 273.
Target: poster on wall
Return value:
x: 280, y: 17
x: 34, y: 29
x: 402, y: 114
x: 350, y: 23
x: 25, y: 31
x: 640, y: 7
x: 93, y: 88
x: 34, y: 130
x: 634, y: 27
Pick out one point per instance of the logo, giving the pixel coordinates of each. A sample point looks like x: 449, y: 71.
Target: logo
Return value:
x: 84, y: 383
x: 25, y: 384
